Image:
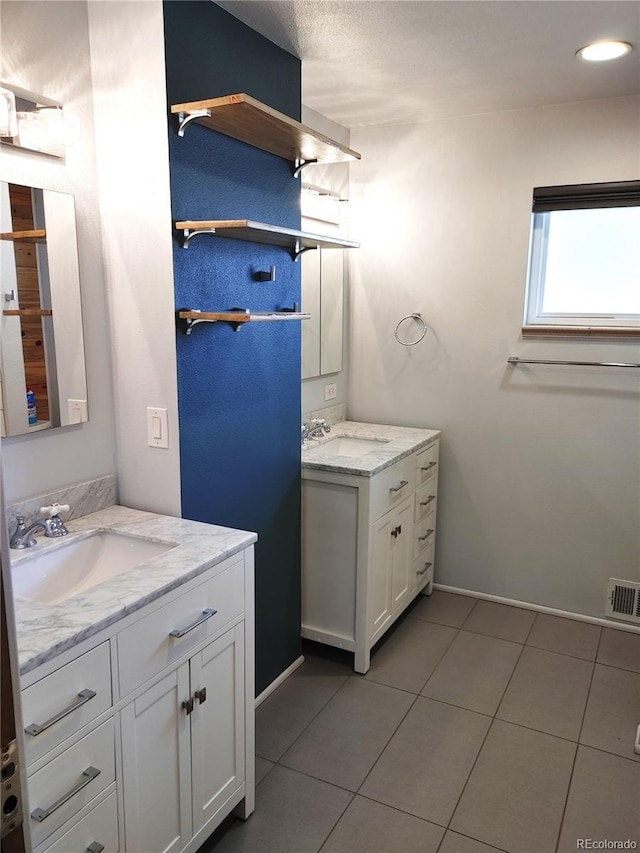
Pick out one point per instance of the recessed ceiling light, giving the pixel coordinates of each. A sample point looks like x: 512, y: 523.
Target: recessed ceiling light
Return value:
x: 600, y: 51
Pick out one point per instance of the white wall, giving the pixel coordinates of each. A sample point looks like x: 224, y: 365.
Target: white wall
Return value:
x: 540, y: 474
x: 45, y: 48
x: 127, y: 54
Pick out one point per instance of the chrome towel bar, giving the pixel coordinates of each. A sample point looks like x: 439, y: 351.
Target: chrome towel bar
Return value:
x: 514, y: 360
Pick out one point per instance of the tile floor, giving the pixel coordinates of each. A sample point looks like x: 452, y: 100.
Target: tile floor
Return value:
x: 479, y: 727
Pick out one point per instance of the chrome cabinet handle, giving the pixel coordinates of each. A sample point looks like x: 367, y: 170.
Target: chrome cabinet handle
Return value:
x: 88, y: 776
x: 95, y: 847
x: 35, y: 729
x: 426, y: 536
x: 427, y: 566
x: 428, y: 500
x: 206, y: 614
x: 400, y: 485
x: 428, y: 467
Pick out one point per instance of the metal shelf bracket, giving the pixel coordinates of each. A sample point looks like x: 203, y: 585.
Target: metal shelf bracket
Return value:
x: 299, y: 164
x: 190, y: 233
x: 298, y: 249
x: 185, y: 118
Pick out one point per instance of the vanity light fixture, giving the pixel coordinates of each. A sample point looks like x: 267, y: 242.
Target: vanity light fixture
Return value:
x: 33, y: 122
x: 601, y: 51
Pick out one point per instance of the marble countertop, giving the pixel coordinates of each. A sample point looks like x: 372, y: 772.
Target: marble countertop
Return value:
x: 46, y: 630
x: 398, y: 443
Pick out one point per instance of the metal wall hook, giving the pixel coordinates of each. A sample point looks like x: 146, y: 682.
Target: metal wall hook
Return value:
x: 418, y: 318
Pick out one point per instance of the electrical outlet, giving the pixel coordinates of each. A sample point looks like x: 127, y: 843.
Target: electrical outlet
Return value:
x: 330, y: 391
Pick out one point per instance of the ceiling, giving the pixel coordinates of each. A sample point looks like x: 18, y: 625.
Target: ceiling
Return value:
x: 367, y: 62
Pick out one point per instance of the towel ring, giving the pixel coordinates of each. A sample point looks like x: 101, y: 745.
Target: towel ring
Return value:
x: 420, y: 319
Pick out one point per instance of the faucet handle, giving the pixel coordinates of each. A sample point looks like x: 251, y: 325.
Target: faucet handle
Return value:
x: 54, y: 509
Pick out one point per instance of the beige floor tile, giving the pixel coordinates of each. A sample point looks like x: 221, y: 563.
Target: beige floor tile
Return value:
x: 474, y: 672
x: 565, y: 636
x: 284, y: 715
x: 343, y: 742
x: 369, y: 827
x: 445, y: 608
x: 547, y: 692
x: 604, y: 800
x: 515, y: 796
x: 453, y: 842
x: 407, y: 658
x: 294, y: 814
x: 613, y: 711
x: 620, y: 648
x: 426, y: 764
x: 500, y: 620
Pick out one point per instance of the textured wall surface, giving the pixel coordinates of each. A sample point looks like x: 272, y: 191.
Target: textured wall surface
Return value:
x: 239, y: 392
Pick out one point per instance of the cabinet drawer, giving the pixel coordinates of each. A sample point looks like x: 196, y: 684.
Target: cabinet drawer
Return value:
x: 55, y: 707
x: 391, y: 486
x: 423, y: 568
x: 66, y: 784
x: 426, y: 499
x: 168, y: 634
x: 99, y: 828
x: 427, y: 463
x: 424, y: 533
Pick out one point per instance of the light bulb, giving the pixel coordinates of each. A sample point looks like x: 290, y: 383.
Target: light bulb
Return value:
x: 601, y: 51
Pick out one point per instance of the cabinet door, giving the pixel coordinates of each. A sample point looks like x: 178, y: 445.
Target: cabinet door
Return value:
x: 157, y: 767
x: 217, y: 724
x: 379, y: 603
x: 401, y: 556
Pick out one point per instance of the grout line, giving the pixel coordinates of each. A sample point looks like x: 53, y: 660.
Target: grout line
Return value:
x: 484, y: 740
x: 575, y: 757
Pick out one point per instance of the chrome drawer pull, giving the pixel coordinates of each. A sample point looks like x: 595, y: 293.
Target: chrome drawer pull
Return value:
x: 95, y: 847
x: 400, y: 485
x: 36, y: 729
x: 428, y: 500
x: 428, y: 467
x: 88, y: 776
x: 426, y: 535
x: 427, y: 566
x: 206, y: 614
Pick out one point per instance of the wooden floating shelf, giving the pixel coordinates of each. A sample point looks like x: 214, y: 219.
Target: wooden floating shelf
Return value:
x: 38, y: 236
x: 259, y: 232
x: 248, y: 120
x: 28, y: 312
x: 237, y: 318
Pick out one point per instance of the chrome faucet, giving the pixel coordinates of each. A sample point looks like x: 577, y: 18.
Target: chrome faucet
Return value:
x: 315, y: 428
x: 53, y: 527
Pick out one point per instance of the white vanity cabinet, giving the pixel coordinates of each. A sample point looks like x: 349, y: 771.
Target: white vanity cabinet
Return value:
x: 141, y: 739
x: 367, y: 548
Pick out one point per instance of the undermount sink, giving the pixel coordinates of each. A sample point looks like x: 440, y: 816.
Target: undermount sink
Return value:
x: 60, y: 573
x: 347, y: 445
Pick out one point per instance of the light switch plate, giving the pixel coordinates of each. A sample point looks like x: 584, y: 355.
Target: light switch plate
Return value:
x: 77, y: 411
x: 330, y: 391
x: 157, y: 427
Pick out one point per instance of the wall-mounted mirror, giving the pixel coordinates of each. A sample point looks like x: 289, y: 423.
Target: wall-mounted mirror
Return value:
x: 322, y: 288
x: 42, y: 364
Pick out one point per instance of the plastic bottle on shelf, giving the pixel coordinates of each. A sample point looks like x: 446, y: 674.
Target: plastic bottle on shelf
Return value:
x: 32, y: 414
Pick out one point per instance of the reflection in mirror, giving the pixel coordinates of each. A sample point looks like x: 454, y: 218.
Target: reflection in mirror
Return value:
x: 42, y: 362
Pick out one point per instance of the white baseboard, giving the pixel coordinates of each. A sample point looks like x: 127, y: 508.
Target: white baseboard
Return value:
x: 566, y: 614
x: 279, y: 680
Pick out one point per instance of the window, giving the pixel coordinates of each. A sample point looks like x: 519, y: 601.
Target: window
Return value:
x: 584, y: 257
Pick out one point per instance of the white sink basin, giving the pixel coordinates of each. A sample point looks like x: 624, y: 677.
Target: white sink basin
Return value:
x: 55, y: 575
x: 346, y: 445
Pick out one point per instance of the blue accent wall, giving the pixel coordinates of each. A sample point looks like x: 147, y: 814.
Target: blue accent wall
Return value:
x: 238, y: 392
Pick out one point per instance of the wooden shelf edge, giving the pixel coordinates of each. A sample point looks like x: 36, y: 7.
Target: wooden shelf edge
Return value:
x: 27, y: 312
x: 24, y: 236
x: 249, y: 120
x: 247, y: 229
x: 602, y: 332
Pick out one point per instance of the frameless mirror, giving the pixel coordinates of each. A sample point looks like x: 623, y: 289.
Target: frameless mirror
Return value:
x: 322, y: 289
x: 42, y: 365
